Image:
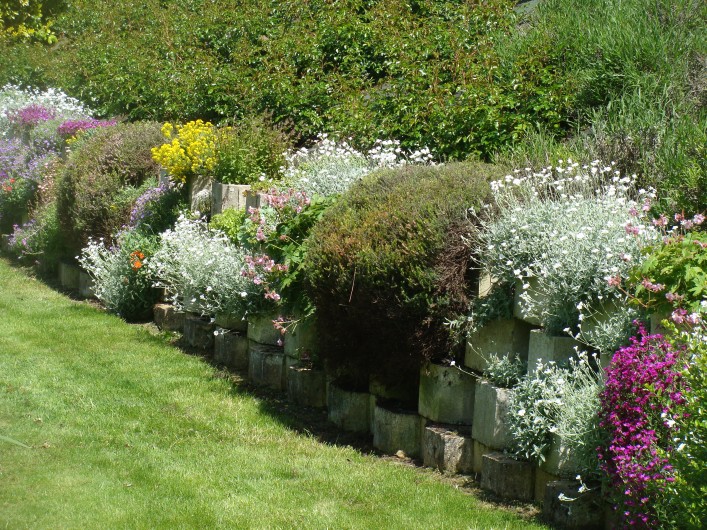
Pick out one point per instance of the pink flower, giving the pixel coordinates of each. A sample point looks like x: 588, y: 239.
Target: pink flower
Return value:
x: 698, y: 219
x: 614, y: 281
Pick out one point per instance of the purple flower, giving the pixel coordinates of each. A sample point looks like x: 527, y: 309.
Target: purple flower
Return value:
x: 72, y: 127
x: 31, y: 116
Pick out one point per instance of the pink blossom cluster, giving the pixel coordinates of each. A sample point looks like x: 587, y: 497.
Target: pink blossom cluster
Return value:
x: 72, y: 127
x: 641, y: 406
x: 31, y: 115
x: 261, y: 270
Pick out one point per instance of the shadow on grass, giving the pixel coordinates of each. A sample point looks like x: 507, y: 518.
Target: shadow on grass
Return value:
x: 307, y: 421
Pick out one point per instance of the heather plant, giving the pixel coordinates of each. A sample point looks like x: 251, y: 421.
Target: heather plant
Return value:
x: 105, y: 173
x: 70, y: 128
x: 559, y: 234
x: 190, y: 150
x: 204, y: 272
x: 559, y: 401
x: 121, y: 280
x: 386, y: 265
x: 642, y: 408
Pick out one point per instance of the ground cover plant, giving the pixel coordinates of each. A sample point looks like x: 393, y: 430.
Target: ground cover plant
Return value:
x: 119, y: 429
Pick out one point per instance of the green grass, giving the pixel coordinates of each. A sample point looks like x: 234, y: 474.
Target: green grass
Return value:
x: 124, y: 431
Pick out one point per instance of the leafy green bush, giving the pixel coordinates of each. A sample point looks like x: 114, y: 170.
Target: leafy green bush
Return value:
x: 637, y: 74
x: 251, y: 152
x: 386, y: 265
x: 102, y: 178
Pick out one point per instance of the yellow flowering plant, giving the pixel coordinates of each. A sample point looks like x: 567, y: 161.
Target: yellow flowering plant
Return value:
x: 189, y: 152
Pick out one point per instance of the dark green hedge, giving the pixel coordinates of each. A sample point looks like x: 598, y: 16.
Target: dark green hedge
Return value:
x: 386, y: 265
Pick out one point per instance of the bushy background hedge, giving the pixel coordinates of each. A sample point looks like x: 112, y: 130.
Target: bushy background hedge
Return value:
x: 386, y: 265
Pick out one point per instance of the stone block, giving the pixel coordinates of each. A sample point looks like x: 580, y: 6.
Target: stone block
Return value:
x: 545, y: 348
x: 199, y: 332
x: 301, y: 341
x: 562, y: 459
x: 508, y: 478
x: 262, y: 330
x: 396, y: 430
x: 231, y: 349
x: 541, y: 480
x: 86, y: 284
x: 69, y: 276
x: 306, y: 386
x: 167, y: 318
x: 447, y: 394
x: 480, y: 450
x: 404, y: 392
x: 232, y: 322
x: 225, y: 196
x: 266, y: 365
x: 348, y: 409
x: 527, y: 302
x: 447, y: 449
x: 490, y: 425
x: 199, y: 193
x: 5, y: 242
x: 584, y: 511
x: 656, y: 320
x: 504, y: 337
x: 254, y: 200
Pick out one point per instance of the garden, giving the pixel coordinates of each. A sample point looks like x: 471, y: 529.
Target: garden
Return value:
x: 468, y: 235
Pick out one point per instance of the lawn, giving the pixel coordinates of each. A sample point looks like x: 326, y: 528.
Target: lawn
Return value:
x: 121, y: 430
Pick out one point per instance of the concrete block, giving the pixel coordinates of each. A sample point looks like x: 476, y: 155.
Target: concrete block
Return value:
x: 225, y: 196
x: 168, y: 318
x: 262, y: 330
x: 480, y: 450
x: 656, y: 320
x: 199, y: 332
x: 546, y: 348
x: 447, y: 394
x: 585, y: 511
x: 254, y: 200
x: 562, y: 459
x: 541, y: 480
x: 306, y: 386
x: 490, y: 425
x: 405, y: 392
x: 86, y: 284
x: 348, y: 409
x: 301, y: 341
x: 231, y: 349
x: 396, y: 430
x: 447, y: 449
x: 508, y: 478
x: 266, y: 365
x: 69, y: 276
x: 5, y: 242
x: 504, y: 337
x: 526, y: 307
x: 232, y: 322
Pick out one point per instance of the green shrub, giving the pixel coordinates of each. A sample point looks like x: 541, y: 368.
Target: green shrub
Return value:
x: 386, y: 265
x: 251, y: 152
x: 103, y: 177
